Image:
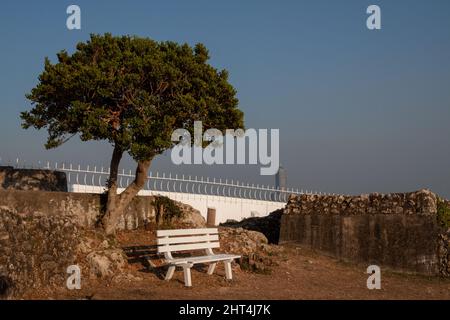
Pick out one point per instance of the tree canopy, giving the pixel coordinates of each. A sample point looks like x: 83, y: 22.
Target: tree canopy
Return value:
x: 132, y: 92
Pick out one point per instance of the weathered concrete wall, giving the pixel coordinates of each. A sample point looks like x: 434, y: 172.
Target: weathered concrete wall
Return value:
x: 226, y: 207
x: 84, y: 208
x: 396, y: 230
x: 32, y: 179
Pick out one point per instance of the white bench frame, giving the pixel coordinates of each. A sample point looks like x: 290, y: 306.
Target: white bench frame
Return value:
x: 176, y: 240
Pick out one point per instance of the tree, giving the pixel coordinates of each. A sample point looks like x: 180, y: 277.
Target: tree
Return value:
x: 132, y: 92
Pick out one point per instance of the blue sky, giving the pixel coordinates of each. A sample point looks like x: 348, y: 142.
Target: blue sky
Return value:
x: 358, y: 110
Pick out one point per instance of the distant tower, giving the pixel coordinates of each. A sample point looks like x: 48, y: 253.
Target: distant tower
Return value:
x: 281, y: 178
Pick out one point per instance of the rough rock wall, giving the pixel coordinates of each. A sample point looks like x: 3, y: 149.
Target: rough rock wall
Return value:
x: 42, y: 233
x: 444, y: 253
x: 422, y: 202
x: 444, y: 238
x: 398, y: 230
x: 35, y: 251
x: 32, y: 179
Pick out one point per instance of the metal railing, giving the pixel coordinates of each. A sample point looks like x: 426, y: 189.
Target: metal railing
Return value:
x: 96, y: 176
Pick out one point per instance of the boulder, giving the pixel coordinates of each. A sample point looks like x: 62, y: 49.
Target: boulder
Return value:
x: 106, y: 263
x: 256, y: 254
x: 268, y: 225
x: 191, y: 218
x: 241, y: 241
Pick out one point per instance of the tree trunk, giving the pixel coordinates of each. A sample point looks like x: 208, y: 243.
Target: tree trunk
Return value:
x: 112, y: 184
x: 117, y: 203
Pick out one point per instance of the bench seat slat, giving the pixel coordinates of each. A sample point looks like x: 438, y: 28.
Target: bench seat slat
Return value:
x: 183, y: 232
x: 190, y: 246
x: 193, y: 239
x: 201, y: 259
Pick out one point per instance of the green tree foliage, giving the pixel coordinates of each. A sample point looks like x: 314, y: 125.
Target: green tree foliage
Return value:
x: 133, y: 92
x: 166, y: 209
x: 443, y: 213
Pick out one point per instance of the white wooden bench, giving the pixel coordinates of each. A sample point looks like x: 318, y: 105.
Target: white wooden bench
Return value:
x: 178, y: 240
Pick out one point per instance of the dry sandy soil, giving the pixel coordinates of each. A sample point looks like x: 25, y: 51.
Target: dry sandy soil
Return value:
x: 301, y: 274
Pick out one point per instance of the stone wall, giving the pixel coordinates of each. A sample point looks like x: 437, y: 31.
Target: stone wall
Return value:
x: 84, y: 208
x: 32, y: 179
x: 42, y: 233
x: 35, y: 251
x: 398, y: 230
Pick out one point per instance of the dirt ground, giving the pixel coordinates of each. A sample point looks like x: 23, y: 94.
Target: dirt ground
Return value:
x: 301, y: 274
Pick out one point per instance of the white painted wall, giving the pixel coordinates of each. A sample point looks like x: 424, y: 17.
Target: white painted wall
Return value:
x: 226, y: 207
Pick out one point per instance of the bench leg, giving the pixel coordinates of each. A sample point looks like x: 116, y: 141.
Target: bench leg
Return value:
x: 187, y: 275
x: 211, y: 268
x: 228, y: 273
x: 169, y: 273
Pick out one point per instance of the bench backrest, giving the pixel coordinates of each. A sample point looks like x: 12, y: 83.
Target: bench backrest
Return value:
x: 187, y: 239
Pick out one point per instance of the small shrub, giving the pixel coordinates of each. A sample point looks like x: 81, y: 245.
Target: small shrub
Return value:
x: 166, y: 210
x: 443, y: 213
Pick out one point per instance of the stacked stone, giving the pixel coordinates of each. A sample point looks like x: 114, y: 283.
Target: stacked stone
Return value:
x: 422, y: 202
x: 35, y: 251
x: 444, y: 253
x: 32, y: 179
